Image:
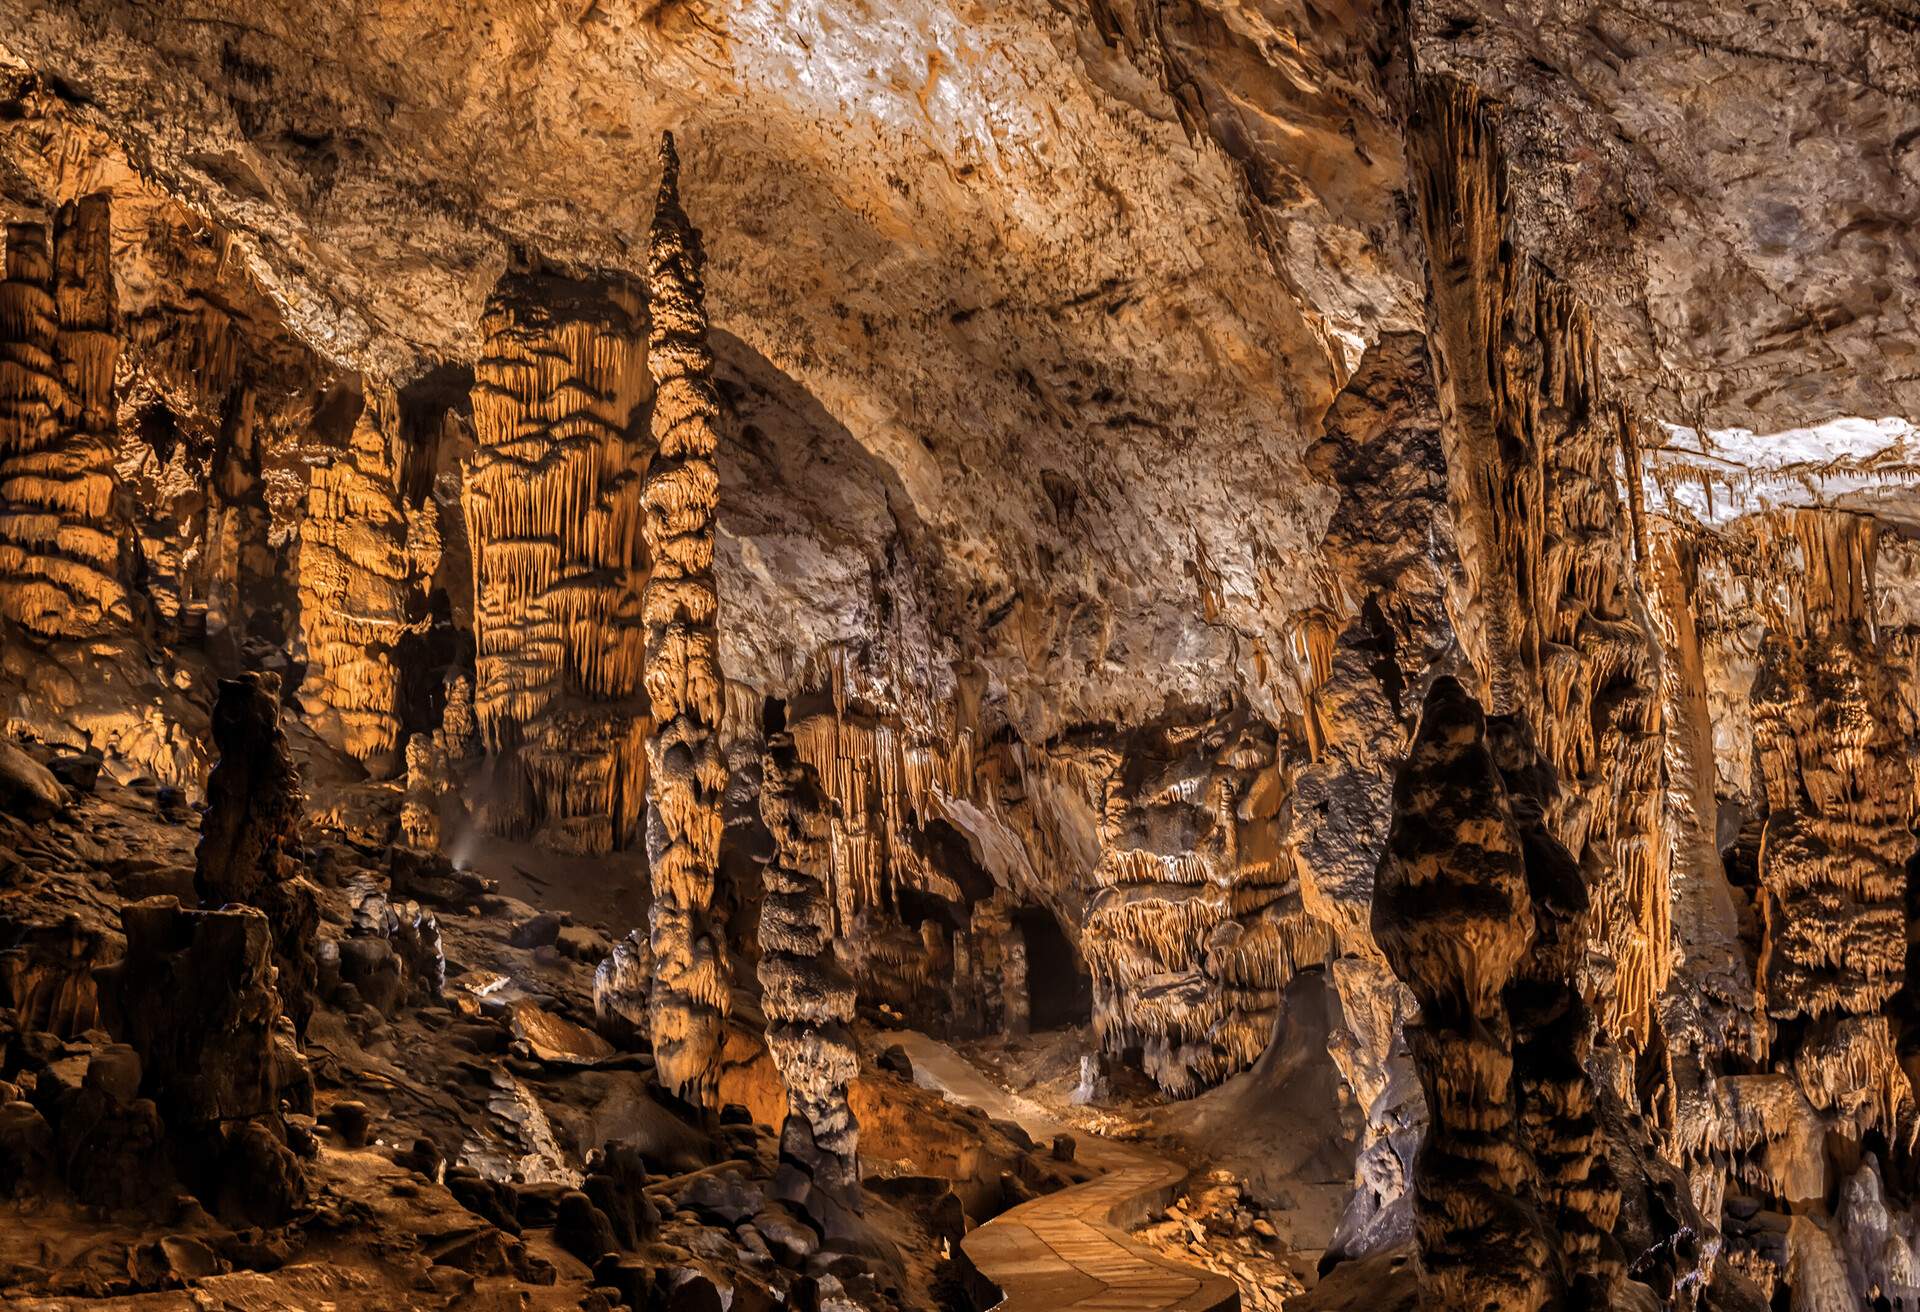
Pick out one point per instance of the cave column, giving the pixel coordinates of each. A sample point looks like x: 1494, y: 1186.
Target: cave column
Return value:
x: 60, y: 547
x: 551, y: 498
x: 353, y: 586
x: 1452, y: 914
x: 686, y: 770
x: 809, y: 998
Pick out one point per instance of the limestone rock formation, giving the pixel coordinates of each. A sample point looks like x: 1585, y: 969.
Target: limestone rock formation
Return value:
x: 686, y: 770
x: 808, y: 997
x: 1197, y: 925
x: 250, y: 835
x: 1533, y: 432
x: 1454, y: 915
x: 354, y: 584
x: 60, y: 545
x: 552, y: 508
x: 1106, y: 424
x: 215, y: 1060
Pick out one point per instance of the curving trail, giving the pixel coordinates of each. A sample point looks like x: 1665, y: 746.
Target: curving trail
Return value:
x: 1069, y: 1251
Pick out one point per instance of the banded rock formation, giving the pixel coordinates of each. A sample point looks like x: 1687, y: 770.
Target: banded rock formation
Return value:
x: 552, y: 508
x: 1484, y: 915
x: 60, y: 544
x: 1197, y: 924
x: 355, y: 571
x: 686, y: 770
x: 808, y: 997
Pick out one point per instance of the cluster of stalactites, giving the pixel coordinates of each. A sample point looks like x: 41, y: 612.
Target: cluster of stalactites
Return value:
x: 1834, y: 852
x: 354, y: 581
x: 552, y: 505
x: 1191, y: 950
x: 686, y: 768
x: 60, y: 548
x: 809, y: 999
x: 1454, y: 916
x: 1532, y: 445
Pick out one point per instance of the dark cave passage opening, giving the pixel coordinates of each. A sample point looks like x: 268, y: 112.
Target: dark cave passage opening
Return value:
x: 1059, y: 988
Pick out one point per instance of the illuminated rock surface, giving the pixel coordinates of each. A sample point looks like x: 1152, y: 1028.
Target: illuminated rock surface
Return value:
x: 1330, y: 584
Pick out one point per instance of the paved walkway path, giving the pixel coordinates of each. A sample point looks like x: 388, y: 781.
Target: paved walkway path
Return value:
x: 1068, y: 1251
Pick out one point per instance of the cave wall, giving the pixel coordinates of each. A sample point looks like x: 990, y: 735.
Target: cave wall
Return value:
x: 1096, y: 580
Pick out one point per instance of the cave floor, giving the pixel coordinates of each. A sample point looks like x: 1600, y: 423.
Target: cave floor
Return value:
x: 1066, y: 1250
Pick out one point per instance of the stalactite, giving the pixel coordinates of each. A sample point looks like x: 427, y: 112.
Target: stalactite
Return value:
x: 355, y: 568
x: 809, y: 999
x: 686, y: 771
x: 1531, y: 444
x: 552, y: 507
x: 1197, y: 925
x: 60, y: 542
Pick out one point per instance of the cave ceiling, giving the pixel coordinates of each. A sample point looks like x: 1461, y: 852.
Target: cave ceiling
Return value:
x: 1026, y: 311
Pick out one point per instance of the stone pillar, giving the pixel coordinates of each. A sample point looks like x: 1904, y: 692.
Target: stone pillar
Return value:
x: 552, y: 507
x: 686, y: 770
x: 809, y: 999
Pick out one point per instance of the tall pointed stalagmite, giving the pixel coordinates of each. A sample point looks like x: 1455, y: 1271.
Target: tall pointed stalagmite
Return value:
x: 686, y: 771
x: 809, y: 999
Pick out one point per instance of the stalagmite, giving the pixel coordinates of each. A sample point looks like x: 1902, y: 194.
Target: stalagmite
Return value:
x: 354, y: 583
x: 250, y: 836
x: 1453, y: 915
x: 809, y: 999
x: 552, y: 502
x: 60, y: 545
x: 420, y: 809
x: 686, y: 771
x: 1552, y: 1033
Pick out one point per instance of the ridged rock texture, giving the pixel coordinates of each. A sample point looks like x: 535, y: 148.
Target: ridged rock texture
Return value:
x: 1482, y: 913
x: 1197, y: 925
x: 250, y: 834
x: 60, y: 541
x: 1453, y: 914
x: 808, y: 997
x: 686, y: 769
x: 355, y: 576
x: 552, y: 508
x: 1532, y: 441
x: 1104, y: 424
